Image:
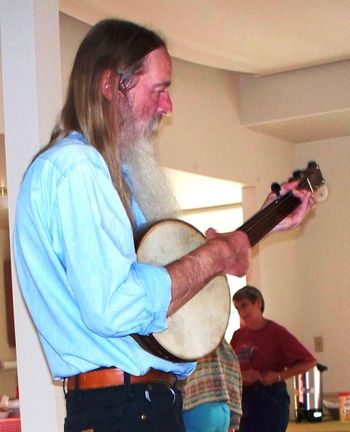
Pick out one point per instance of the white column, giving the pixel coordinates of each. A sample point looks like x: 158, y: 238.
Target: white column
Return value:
x: 32, y: 99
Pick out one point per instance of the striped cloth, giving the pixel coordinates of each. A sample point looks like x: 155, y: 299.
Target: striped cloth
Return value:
x: 217, y: 377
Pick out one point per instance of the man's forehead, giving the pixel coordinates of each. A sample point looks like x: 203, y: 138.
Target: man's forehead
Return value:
x: 159, y: 61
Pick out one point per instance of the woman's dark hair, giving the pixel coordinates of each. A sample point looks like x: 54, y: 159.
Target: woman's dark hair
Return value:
x: 120, y: 47
x: 251, y: 293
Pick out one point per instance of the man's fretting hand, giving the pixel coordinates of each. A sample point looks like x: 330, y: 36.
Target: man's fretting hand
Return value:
x: 295, y: 219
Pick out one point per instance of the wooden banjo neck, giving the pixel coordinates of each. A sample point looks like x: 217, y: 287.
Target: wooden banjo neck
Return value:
x: 259, y: 225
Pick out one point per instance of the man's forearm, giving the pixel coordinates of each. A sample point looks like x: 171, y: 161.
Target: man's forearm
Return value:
x: 221, y: 254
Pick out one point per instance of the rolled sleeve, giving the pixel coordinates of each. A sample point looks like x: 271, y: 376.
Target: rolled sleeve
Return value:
x: 157, y: 283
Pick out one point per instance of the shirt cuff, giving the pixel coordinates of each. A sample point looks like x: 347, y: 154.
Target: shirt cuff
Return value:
x: 157, y: 283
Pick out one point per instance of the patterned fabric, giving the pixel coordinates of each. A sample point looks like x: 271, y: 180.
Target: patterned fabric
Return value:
x: 217, y: 377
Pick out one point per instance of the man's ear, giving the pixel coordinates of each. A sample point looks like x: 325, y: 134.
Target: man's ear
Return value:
x: 109, y: 83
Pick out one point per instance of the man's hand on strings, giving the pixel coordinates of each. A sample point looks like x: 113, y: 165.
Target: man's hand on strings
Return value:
x: 295, y: 219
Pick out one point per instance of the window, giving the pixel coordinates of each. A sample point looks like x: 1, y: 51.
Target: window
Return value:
x: 211, y: 202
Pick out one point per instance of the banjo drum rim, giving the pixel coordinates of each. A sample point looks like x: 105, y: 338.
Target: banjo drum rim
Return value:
x: 156, y: 343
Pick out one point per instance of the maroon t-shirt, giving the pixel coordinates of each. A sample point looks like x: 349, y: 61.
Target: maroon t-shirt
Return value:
x: 272, y: 348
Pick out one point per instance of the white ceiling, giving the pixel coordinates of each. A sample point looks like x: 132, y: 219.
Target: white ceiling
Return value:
x: 258, y: 37
x: 253, y: 36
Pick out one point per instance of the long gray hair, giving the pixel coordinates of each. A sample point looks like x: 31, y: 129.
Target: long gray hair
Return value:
x: 119, y: 46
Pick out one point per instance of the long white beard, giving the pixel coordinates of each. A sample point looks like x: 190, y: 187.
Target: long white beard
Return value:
x: 149, y: 183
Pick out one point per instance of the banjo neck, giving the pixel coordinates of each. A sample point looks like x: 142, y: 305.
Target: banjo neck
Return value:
x: 261, y: 223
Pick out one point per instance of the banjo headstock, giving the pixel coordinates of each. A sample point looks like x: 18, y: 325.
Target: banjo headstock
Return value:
x: 312, y: 179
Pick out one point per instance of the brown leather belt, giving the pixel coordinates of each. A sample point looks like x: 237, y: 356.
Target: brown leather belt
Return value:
x: 112, y: 377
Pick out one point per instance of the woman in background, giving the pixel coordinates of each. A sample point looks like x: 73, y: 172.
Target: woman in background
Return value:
x: 268, y: 354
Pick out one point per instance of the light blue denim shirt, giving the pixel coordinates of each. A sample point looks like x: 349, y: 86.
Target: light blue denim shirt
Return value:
x: 77, y: 266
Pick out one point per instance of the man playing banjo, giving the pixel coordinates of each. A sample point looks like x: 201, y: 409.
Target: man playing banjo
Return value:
x: 83, y: 200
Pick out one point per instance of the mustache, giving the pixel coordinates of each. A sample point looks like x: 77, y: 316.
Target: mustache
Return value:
x: 152, y: 128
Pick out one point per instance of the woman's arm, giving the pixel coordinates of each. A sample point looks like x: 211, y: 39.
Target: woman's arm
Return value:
x: 271, y: 377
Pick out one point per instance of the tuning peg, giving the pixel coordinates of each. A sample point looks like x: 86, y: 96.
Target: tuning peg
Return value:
x: 297, y: 174
x: 276, y: 188
x: 321, y: 193
x: 312, y: 165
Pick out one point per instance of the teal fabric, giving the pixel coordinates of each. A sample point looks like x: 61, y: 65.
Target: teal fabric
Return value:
x: 208, y: 417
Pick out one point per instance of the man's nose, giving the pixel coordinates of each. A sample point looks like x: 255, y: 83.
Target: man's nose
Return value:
x: 165, y: 105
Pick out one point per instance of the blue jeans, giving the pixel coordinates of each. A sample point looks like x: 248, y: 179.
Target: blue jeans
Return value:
x: 265, y: 408
x: 208, y: 417
x: 126, y: 408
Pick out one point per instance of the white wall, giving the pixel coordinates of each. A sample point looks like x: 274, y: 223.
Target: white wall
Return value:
x: 324, y: 270
x: 31, y: 99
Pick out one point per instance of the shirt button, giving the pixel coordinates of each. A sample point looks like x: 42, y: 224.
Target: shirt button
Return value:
x: 143, y: 417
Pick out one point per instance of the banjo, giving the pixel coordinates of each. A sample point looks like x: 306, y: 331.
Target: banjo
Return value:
x: 197, y: 328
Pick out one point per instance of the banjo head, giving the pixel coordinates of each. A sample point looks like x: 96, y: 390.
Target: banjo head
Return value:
x: 197, y: 328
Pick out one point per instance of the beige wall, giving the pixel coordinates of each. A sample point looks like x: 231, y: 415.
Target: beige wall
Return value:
x: 8, y: 378
x: 324, y: 252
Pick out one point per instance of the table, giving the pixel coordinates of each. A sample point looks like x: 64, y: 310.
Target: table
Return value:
x: 323, y: 426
